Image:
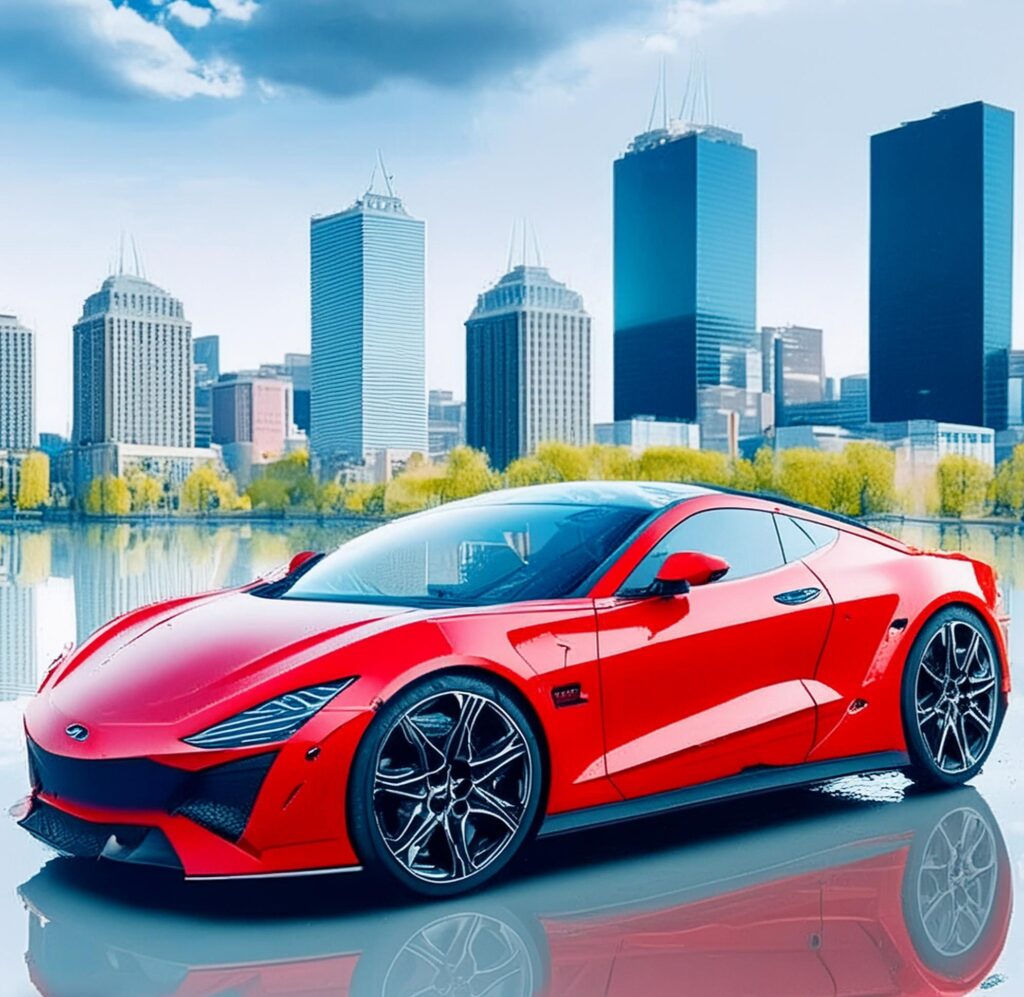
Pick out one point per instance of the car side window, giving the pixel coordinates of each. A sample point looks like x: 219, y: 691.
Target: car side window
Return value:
x: 746, y: 538
x: 801, y: 537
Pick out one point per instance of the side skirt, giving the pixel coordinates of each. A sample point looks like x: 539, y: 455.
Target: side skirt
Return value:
x: 744, y: 784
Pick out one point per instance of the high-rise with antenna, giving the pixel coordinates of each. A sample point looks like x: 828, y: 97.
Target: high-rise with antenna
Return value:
x: 368, y: 368
x: 685, y: 249
x: 527, y: 359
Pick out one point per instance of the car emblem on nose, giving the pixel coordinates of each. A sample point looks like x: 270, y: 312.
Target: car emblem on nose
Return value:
x: 76, y: 732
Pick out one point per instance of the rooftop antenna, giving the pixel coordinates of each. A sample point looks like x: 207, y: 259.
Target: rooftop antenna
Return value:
x: 659, y: 95
x: 120, y: 256
x: 373, y: 179
x: 684, y: 111
x: 511, y: 246
x: 135, y: 257
x: 384, y: 173
x: 705, y: 90
x: 536, y: 245
x: 525, y: 223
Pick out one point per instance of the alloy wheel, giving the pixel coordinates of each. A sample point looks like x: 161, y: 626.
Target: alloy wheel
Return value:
x: 451, y: 786
x: 956, y: 884
x: 957, y: 697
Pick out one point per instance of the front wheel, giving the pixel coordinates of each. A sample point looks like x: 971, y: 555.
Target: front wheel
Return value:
x: 952, y: 698
x: 446, y: 785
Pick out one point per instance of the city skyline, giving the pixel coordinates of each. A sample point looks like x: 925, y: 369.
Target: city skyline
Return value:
x: 249, y: 226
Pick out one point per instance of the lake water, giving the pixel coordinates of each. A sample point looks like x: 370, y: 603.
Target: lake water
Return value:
x: 809, y: 892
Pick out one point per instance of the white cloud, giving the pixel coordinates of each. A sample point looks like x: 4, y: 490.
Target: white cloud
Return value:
x: 189, y: 14
x: 144, y: 55
x: 661, y: 43
x: 689, y: 18
x: 235, y: 10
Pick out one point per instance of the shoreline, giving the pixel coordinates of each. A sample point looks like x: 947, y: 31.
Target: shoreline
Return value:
x: 36, y: 520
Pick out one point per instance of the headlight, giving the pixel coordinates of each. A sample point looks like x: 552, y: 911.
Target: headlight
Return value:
x: 275, y: 720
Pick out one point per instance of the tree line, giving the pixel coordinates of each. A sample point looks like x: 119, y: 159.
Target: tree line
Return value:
x: 860, y: 480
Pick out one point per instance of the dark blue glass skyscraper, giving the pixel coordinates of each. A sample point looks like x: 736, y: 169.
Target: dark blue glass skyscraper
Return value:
x: 941, y: 267
x: 685, y: 268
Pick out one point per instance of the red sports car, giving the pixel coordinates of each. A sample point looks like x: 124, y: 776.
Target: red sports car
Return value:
x: 439, y: 690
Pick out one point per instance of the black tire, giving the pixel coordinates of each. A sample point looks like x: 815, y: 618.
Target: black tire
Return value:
x: 931, y: 702
x: 461, y: 822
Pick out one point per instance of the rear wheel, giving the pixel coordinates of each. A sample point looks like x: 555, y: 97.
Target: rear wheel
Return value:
x: 446, y: 785
x: 952, y: 698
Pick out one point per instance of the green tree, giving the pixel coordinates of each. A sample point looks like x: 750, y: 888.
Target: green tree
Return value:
x: 818, y: 478
x: 873, y: 467
x: 612, y: 463
x: 963, y: 484
x: 34, y: 482
x: 467, y: 472
x: 146, y: 491
x: 284, y: 484
x: 707, y: 467
x: 1008, y: 486
x: 208, y: 490
x: 108, y: 496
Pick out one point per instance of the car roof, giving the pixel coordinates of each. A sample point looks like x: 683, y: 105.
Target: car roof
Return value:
x: 646, y: 495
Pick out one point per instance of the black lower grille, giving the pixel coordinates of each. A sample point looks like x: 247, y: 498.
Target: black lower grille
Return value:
x: 74, y: 836
x: 117, y: 784
x: 221, y: 798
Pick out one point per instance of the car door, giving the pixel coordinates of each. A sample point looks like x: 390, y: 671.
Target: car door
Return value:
x: 706, y: 685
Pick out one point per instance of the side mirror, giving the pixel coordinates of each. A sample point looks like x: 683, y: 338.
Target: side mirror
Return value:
x: 686, y: 568
x: 299, y: 560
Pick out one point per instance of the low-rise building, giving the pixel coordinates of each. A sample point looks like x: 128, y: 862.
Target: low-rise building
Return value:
x: 641, y: 433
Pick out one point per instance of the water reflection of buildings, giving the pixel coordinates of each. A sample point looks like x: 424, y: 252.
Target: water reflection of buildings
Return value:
x: 822, y: 896
x: 118, y: 568
x: 17, y: 616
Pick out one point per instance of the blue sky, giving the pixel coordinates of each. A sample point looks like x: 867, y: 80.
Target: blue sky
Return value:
x: 210, y: 130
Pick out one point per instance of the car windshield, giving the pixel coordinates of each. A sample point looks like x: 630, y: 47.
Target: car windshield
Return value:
x: 472, y: 555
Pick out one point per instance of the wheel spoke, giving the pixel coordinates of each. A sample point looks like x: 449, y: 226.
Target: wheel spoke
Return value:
x: 979, y: 719
x: 431, y: 756
x: 459, y: 743
x: 462, y: 859
x: 487, y: 764
x: 950, y: 650
x: 411, y: 839
x: 410, y: 785
x: 489, y: 805
x: 964, y: 743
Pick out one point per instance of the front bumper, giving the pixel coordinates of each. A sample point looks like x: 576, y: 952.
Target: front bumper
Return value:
x: 76, y: 838
x: 267, y: 813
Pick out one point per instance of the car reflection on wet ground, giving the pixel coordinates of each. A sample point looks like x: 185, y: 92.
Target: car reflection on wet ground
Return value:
x: 864, y: 887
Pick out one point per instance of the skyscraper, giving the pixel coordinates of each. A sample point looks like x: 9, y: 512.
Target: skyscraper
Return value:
x: 793, y: 366
x: 206, y: 360
x: 527, y: 366
x: 685, y: 248
x: 133, y: 367
x: 368, y: 384
x: 17, y: 385
x: 206, y: 355
x: 941, y: 267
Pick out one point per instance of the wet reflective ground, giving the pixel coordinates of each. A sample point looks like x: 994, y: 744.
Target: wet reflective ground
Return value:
x: 862, y: 887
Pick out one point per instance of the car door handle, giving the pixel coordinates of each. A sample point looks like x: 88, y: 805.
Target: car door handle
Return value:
x: 794, y: 597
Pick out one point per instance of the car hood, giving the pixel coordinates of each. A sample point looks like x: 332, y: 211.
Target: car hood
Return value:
x: 184, y: 663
